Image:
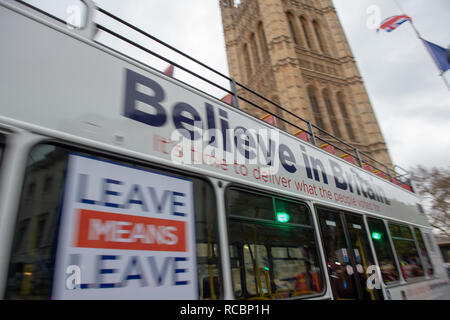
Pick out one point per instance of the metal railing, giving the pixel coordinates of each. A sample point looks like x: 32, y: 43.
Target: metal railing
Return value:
x: 314, y: 132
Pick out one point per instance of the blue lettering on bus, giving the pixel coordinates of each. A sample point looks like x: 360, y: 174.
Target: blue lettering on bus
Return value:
x: 211, y: 123
x: 158, y: 116
x: 287, y: 158
x: 139, y: 270
x: 223, y: 116
x: 134, y: 271
x: 316, y: 166
x: 82, y: 187
x: 102, y: 271
x: 135, y: 196
x: 107, y: 192
x: 339, y: 179
x: 186, y: 118
x: 177, y: 203
x: 147, y: 198
x: 245, y: 143
x: 180, y: 120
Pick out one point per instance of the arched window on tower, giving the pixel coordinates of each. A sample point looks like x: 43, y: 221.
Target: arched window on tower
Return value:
x: 315, y: 107
x: 262, y: 40
x: 319, y: 36
x: 255, y: 52
x: 345, y: 115
x: 331, y: 113
x: 293, y: 28
x: 306, y: 31
x: 247, y: 63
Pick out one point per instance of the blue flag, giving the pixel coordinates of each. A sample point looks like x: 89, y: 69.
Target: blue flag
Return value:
x: 439, y: 55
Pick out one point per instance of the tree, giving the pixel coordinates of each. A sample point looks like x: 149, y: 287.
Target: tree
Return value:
x: 433, y: 185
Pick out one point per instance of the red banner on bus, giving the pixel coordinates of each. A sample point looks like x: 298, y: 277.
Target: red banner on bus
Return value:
x: 108, y: 230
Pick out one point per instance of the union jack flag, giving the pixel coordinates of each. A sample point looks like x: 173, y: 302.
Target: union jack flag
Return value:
x: 392, y: 23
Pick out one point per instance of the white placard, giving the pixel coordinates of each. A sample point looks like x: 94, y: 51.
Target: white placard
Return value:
x: 330, y: 223
x: 125, y: 233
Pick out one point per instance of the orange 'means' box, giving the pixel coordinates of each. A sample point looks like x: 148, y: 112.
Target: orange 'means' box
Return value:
x: 108, y: 230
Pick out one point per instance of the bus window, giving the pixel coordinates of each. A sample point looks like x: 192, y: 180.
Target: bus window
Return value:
x: 291, y: 211
x: 383, y: 249
x: 32, y: 266
x: 255, y: 207
x: 274, y: 253
x: 424, y: 252
x: 406, y: 249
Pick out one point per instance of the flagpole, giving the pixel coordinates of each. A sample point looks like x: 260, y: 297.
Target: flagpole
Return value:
x: 411, y: 21
x: 441, y: 74
x: 445, y: 81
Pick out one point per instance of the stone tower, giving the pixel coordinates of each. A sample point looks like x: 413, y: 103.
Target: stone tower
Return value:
x: 295, y: 53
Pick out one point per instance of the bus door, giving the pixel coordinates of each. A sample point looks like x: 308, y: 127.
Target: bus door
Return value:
x: 347, y: 254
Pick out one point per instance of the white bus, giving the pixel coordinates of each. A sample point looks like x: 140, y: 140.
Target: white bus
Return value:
x: 119, y: 182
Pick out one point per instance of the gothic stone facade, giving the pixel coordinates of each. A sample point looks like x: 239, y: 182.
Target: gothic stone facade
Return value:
x: 295, y: 53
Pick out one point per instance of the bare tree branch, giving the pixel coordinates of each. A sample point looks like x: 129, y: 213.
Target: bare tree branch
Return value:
x: 434, y: 187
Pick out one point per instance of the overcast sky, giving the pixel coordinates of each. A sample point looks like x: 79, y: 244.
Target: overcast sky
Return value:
x: 410, y: 100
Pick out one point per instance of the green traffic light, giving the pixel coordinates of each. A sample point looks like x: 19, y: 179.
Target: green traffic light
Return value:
x: 376, y: 235
x: 283, y: 217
